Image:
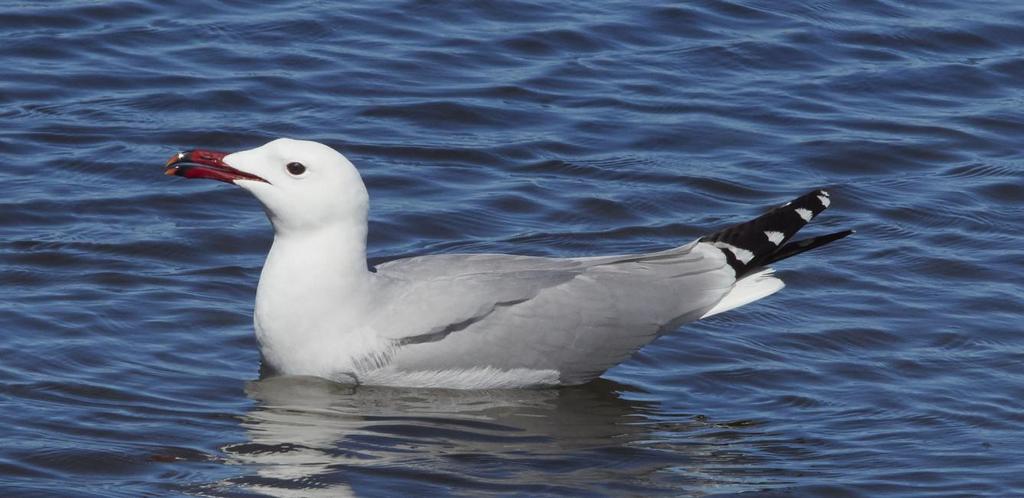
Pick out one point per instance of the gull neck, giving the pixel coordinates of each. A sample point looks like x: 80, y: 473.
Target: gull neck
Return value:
x: 319, y: 255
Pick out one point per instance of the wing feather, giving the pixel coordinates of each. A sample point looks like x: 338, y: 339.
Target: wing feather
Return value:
x: 576, y: 316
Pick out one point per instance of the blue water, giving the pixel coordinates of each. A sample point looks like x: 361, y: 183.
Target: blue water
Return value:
x: 891, y: 365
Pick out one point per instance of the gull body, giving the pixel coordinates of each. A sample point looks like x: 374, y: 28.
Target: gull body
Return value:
x: 470, y: 320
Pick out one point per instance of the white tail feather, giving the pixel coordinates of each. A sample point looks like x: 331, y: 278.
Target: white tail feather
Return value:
x: 747, y: 290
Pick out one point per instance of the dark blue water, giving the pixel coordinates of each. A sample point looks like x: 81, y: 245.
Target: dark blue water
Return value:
x: 892, y: 364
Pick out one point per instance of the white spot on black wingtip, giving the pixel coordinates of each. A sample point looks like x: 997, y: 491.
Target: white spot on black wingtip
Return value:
x: 743, y: 255
x: 774, y: 237
x: 824, y: 193
x: 824, y: 200
x: 804, y: 214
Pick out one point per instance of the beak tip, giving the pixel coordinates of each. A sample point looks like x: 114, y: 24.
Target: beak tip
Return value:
x: 171, y: 167
x: 180, y: 156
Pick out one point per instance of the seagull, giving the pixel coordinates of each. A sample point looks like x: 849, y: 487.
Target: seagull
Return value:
x: 471, y: 321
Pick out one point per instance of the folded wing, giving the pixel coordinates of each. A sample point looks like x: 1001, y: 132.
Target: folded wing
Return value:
x: 574, y: 316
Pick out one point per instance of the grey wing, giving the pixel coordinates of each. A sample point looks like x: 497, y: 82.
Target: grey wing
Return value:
x: 577, y: 317
x: 423, y: 299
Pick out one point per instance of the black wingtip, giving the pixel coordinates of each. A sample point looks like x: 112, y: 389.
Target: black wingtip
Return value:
x: 765, y: 239
x: 803, y: 245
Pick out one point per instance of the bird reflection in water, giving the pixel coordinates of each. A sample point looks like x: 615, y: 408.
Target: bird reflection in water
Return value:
x: 312, y: 437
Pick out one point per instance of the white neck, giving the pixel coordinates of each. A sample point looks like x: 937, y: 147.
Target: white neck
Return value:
x: 310, y: 275
x: 334, y: 254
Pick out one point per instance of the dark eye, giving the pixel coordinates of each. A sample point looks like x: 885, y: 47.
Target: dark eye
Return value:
x: 296, y: 168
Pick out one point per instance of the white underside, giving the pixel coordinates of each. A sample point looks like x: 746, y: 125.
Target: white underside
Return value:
x: 747, y: 290
x: 473, y: 378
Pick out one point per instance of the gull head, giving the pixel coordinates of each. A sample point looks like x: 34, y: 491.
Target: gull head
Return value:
x: 303, y: 185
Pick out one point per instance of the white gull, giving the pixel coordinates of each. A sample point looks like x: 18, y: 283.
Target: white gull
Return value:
x: 470, y: 321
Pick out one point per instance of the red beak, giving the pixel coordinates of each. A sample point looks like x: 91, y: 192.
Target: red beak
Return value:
x: 205, y: 164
